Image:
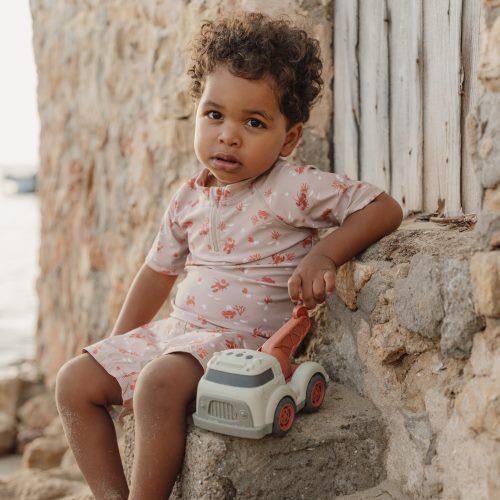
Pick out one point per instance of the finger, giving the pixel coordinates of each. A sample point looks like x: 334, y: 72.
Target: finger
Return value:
x: 294, y: 287
x: 329, y: 281
x: 318, y: 288
x: 307, y: 294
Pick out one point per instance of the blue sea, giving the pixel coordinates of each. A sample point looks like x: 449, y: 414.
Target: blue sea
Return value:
x: 19, y: 228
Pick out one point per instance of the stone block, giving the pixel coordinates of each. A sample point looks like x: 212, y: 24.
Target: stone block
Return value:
x: 39, y: 485
x: 489, y: 140
x: 479, y: 406
x: 333, y: 452
x: 460, y: 321
x: 7, y: 433
x: 10, y: 389
x: 44, y: 452
x: 491, y: 201
x: 419, y: 429
x: 39, y: 411
x: 485, y: 272
x: 486, y: 229
x: 489, y: 65
x: 391, y: 341
x: 418, y: 303
x: 350, y: 279
x: 370, y: 295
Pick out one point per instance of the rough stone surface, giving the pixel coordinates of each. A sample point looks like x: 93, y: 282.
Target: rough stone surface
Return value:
x: 460, y: 321
x: 386, y: 490
x: 10, y: 389
x: 419, y: 304
x: 39, y: 485
x: 335, y: 451
x: 416, y: 380
x: 7, y: 433
x: 485, y: 271
x: 44, y: 453
x: 38, y: 411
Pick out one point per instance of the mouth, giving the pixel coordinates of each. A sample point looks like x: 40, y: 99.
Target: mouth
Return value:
x: 225, y: 162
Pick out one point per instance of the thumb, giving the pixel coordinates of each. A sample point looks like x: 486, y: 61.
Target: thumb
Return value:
x: 294, y: 284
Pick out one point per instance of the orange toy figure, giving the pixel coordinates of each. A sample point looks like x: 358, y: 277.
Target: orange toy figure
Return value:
x: 249, y: 393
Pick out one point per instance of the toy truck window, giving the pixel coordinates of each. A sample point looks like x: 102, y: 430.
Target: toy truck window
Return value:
x: 239, y: 380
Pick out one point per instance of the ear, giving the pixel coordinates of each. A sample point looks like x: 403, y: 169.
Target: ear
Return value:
x: 291, y: 139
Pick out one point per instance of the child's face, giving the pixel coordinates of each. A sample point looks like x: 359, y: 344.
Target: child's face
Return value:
x: 227, y: 124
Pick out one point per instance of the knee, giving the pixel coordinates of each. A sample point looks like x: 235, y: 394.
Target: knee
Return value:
x: 66, y: 379
x: 154, y: 380
x: 71, y: 380
x: 170, y: 380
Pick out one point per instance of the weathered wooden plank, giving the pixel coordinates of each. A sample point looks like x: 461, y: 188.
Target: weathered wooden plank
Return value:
x: 471, y: 17
x: 374, y: 93
x: 405, y: 55
x: 346, y: 96
x: 442, y: 146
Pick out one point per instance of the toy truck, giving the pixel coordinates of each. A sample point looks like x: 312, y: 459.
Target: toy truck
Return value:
x: 250, y: 393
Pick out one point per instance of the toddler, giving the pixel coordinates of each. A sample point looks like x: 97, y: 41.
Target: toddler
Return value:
x: 245, y: 231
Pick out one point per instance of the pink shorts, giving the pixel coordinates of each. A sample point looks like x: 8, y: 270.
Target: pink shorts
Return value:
x: 124, y: 356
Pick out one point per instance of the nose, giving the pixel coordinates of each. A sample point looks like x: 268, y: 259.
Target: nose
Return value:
x: 229, y: 136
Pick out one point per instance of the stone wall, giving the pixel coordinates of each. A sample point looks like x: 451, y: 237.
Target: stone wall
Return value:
x: 117, y: 138
x: 405, y: 330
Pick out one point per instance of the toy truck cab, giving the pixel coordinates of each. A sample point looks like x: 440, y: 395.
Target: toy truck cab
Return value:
x: 245, y: 393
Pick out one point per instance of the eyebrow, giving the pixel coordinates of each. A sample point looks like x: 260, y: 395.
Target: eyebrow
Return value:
x: 261, y: 112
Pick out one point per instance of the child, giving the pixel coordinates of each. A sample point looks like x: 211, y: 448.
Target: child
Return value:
x: 244, y: 229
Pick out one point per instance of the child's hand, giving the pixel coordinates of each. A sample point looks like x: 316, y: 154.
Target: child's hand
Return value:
x: 312, y: 280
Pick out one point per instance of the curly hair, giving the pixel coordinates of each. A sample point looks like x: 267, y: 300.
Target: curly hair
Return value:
x: 252, y: 45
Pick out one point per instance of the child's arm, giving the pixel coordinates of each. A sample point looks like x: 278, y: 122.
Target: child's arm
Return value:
x: 148, y: 292
x: 362, y: 228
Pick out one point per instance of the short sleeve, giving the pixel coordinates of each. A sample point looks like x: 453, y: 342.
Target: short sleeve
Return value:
x: 170, y: 247
x: 305, y: 196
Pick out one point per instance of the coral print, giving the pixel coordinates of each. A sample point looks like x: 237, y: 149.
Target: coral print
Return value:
x: 229, y: 314
x: 204, y: 228
x: 219, y: 285
x: 326, y: 214
x: 229, y: 245
x: 340, y: 185
x: 231, y: 344
x: 301, y: 200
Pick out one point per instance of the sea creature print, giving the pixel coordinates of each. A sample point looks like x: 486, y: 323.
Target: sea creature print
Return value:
x: 302, y: 200
x: 229, y: 245
x: 219, y: 285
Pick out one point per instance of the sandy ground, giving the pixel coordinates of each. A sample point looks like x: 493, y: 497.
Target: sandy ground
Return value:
x: 9, y: 464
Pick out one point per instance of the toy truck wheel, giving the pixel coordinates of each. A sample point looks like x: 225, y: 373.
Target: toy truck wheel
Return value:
x: 315, y: 393
x: 284, y: 416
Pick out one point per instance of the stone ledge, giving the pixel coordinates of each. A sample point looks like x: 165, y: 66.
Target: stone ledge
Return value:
x: 336, y: 451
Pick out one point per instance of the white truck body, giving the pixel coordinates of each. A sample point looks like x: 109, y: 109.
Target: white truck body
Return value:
x: 241, y: 389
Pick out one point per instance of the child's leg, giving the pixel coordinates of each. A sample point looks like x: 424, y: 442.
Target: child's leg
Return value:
x: 83, y: 388
x: 162, y: 394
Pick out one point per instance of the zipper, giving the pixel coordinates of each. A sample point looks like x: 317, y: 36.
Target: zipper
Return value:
x: 213, y: 227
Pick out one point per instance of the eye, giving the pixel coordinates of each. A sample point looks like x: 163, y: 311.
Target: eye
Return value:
x: 216, y: 112
x: 258, y: 121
